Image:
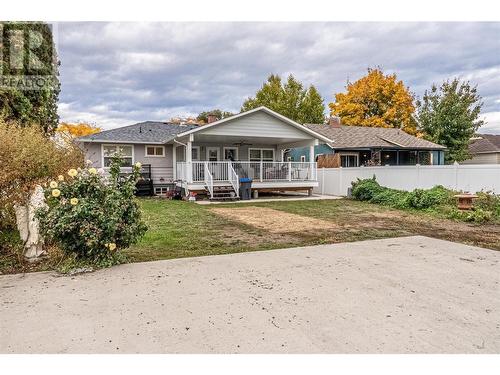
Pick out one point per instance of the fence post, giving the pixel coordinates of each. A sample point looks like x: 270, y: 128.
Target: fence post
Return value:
x: 418, y: 176
x: 455, y: 166
x: 340, y: 181
x: 322, y: 181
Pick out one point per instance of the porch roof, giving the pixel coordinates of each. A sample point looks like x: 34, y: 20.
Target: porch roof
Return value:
x: 258, y: 138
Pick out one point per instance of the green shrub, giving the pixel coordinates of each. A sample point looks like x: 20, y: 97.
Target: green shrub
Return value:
x: 364, y: 190
x: 92, y: 216
x: 438, y: 199
x: 392, y: 198
x: 421, y: 198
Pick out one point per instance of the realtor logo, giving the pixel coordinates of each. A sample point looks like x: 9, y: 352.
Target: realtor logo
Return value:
x: 28, y: 60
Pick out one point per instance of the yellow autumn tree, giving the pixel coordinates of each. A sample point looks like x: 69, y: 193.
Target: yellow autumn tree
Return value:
x: 77, y: 130
x: 376, y: 100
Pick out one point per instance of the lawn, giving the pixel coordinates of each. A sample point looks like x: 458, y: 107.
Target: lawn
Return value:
x: 181, y: 229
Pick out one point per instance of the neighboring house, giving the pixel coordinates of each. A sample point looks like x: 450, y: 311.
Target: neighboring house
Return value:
x: 213, y: 158
x: 359, y: 145
x: 485, y: 149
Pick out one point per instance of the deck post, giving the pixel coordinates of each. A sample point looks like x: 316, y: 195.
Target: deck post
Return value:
x: 289, y: 171
x: 261, y: 177
x: 311, y: 161
x: 174, y: 162
x: 189, y: 161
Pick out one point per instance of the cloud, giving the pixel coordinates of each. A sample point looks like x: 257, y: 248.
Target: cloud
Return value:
x: 119, y: 73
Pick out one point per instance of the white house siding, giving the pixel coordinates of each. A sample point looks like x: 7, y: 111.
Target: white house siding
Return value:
x: 162, y: 167
x: 258, y: 124
x: 489, y: 158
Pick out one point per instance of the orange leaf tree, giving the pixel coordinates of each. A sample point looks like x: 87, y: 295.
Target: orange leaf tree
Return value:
x: 77, y: 130
x: 376, y: 100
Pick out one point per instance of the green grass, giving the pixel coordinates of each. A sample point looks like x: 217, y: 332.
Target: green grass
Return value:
x: 179, y: 229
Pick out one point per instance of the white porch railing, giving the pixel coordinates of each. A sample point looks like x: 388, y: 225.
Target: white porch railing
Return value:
x: 209, y: 180
x: 258, y: 171
x: 234, y: 179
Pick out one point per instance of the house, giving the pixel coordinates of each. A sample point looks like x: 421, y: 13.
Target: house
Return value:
x: 485, y: 149
x: 211, y: 159
x: 359, y: 146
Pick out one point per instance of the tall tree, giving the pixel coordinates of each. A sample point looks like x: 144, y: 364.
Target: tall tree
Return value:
x: 77, y: 130
x: 376, y: 100
x: 31, y: 66
x: 449, y: 115
x: 290, y: 99
x: 220, y: 114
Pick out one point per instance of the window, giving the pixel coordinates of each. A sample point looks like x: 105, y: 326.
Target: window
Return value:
x: 126, y: 152
x: 155, y: 151
x: 231, y: 153
x: 213, y: 153
x: 302, y: 158
x: 349, y: 160
x: 195, y: 153
x: 261, y: 154
x: 289, y: 158
x: 161, y: 190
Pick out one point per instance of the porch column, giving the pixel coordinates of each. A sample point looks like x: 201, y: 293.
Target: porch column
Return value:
x: 189, y: 161
x: 312, y: 163
x: 174, y: 162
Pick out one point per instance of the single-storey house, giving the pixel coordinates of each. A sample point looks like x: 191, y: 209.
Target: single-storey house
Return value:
x: 211, y: 159
x: 361, y: 146
x: 485, y: 149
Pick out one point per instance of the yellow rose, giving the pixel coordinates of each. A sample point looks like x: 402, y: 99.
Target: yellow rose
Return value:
x: 74, y: 201
x: 72, y: 172
x: 60, y: 177
x: 112, y: 246
x: 56, y: 193
x: 92, y: 170
x: 53, y: 184
x: 138, y: 165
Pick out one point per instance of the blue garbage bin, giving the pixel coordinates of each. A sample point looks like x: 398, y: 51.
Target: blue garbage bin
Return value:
x: 245, y: 188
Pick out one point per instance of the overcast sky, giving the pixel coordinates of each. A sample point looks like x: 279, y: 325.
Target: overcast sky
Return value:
x: 115, y: 74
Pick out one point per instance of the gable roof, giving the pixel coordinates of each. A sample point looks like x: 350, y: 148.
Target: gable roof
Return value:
x: 285, y: 119
x: 150, y: 132
x: 485, y: 143
x: 370, y: 137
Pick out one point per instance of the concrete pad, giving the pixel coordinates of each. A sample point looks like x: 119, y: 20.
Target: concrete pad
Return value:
x: 402, y: 295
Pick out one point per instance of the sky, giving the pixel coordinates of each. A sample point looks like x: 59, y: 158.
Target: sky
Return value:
x: 115, y: 74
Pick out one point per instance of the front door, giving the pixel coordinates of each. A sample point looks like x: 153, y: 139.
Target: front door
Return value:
x: 213, y: 153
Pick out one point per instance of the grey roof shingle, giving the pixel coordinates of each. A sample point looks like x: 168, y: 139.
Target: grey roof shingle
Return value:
x: 485, y: 143
x: 369, y: 137
x: 142, y: 132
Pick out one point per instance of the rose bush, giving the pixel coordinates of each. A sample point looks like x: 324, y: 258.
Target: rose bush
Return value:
x: 91, y: 215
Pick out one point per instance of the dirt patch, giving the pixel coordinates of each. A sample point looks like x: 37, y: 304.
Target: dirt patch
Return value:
x: 274, y: 221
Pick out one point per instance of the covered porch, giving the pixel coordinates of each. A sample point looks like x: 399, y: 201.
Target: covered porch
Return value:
x: 203, y: 164
x: 250, y: 145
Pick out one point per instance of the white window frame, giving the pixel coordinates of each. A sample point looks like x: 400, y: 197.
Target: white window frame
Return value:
x: 231, y: 148
x: 350, y: 154
x: 199, y: 155
x: 212, y: 148
x: 154, y: 156
x: 302, y: 158
x: 116, y: 145
x: 261, y: 153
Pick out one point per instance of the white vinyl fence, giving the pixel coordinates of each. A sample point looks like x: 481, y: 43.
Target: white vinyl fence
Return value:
x: 467, y: 178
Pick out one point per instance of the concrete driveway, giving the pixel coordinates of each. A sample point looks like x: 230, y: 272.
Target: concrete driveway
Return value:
x: 405, y: 295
